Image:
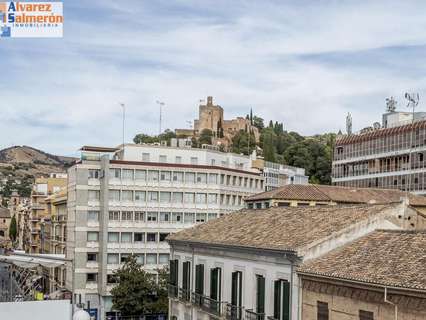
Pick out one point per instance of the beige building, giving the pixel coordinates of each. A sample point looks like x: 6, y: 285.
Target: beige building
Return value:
x: 43, y: 187
x: 316, y: 195
x: 380, y: 276
x: 5, y: 218
x: 211, y: 117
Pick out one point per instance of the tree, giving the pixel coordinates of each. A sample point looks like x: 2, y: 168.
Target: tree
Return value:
x: 144, y: 138
x: 13, y: 230
x: 258, y: 122
x: 205, y: 137
x: 242, y: 144
x: 137, y: 292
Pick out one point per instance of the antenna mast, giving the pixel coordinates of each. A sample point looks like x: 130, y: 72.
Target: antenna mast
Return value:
x: 413, y: 101
x: 161, y: 104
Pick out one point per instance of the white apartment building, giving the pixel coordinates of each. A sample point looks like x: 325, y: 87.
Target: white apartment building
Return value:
x: 127, y: 200
x: 278, y: 175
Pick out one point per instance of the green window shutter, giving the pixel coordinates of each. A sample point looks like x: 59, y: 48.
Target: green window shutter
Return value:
x: 213, y: 283
x: 286, y: 300
x: 172, y: 274
x: 176, y: 272
x: 277, y: 299
x: 185, y: 276
x: 219, y: 279
x: 199, y: 281
x: 260, y: 294
x: 234, y: 288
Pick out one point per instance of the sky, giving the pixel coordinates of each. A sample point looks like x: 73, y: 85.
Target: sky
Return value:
x: 304, y: 63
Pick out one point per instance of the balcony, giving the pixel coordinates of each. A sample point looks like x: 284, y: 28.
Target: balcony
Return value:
x: 251, y: 315
x: 184, y: 295
x: 173, y: 291
x: 207, y: 304
x: 233, y: 312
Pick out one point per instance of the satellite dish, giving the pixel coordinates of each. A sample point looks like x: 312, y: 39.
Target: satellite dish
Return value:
x: 376, y: 125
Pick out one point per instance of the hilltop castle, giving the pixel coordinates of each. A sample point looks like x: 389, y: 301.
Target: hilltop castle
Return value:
x: 211, y: 118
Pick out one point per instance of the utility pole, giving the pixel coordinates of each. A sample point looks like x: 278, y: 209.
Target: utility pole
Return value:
x: 123, y: 106
x: 161, y: 104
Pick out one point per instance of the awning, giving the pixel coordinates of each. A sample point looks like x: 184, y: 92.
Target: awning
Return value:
x: 31, y: 261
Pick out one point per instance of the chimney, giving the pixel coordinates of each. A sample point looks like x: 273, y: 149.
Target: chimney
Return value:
x: 210, y: 101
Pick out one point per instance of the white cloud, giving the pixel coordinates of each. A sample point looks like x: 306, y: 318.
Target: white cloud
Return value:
x: 289, y: 62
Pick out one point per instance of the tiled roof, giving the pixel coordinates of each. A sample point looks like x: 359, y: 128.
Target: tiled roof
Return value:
x: 313, y: 192
x: 384, y: 257
x: 278, y: 228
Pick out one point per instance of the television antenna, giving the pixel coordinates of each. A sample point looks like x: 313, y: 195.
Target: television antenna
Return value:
x: 161, y: 104
x: 413, y: 101
x: 349, y: 124
x: 189, y: 123
x: 391, y: 104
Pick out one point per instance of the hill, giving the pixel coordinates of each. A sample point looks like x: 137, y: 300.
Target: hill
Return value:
x: 20, y: 165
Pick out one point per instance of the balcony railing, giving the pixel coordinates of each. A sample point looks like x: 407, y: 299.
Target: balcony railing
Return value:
x: 197, y: 299
x: 212, y: 306
x: 173, y: 291
x: 251, y: 315
x: 234, y: 312
x: 184, y: 294
x: 271, y: 318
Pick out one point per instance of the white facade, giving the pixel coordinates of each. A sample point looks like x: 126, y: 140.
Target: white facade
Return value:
x: 278, y: 175
x: 122, y: 203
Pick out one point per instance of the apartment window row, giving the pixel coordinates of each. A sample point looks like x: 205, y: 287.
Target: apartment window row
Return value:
x: 387, y: 143
x: 281, y: 291
x: 141, y: 258
x: 324, y: 314
x: 129, y: 237
x: 181, y: 177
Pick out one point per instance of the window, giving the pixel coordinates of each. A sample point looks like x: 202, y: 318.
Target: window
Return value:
x: 251, y: 183
x: 245, y: 182
x: 281, y: 299
x: 127, y: 196
x: 177, y: 217
x: 236, y: 289
x: 174, y: 273
x: 91, y: 277
x: 163, y: 236
x: 140, y: 175
x: 94, y: 195
x: 189, y: 197
x: 201, y: 177
x: 366, y: 315
x: 186, y: 280
x: 234, y: 180
x: 215, y: 281
x: 126, y: 237
x: 190, y: 177
x: 165, y: 175
x: 112, y: 258
x: 162, y: 158
x: 139, y: 216
x: 93, y: 174
x: 152, y: 175
x: 151, y: 216
x: 201, y: 198
x: 177, y: 197
x: 178, y: 176
x: 92, y: 215
x: 212, y: 216
x: 114, y: 215
x: 92, y: 257
x: 138, y: 237
x: 164, y: 216
x: 213, y: 178
x: 153, y: 196
x: 92, y: 236
x: 228, y: 180
x: 194, y: 160
x: 163, y: 258
x: 140, y: 196
x: 151, y: 258
x: 114, y: 173
x: 165, y: 197
x: 322, y: 310
x: 260, y: 293
x: 113, y: 236
x: 189, y: 217
x: 199, y: 281
x: 222, y: 179
x: 212, y: 198
x: 140, y: 258
x: 127, y: 174
x: 112, y: 278
x: 258, y: 205
x: 114, y: 195
x: 201, y: 217
x: 151, y: 237
x: 145, y: 157
x: 178, y: 159
x: 124, y: 257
